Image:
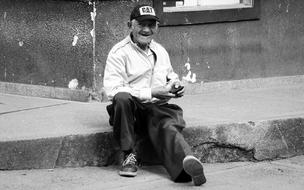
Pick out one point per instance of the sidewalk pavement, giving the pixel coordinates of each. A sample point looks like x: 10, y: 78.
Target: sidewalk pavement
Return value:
x: 222, y: 126
x: 287, y: 174
x: 24, y: 117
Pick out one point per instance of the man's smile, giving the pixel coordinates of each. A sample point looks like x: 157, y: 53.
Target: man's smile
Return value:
x: 145, y: 35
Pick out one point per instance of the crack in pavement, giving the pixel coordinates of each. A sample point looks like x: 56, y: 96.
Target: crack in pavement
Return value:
x: 27, y: 109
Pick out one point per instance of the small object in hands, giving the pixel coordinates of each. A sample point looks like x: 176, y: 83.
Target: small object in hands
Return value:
x: 176, y: 88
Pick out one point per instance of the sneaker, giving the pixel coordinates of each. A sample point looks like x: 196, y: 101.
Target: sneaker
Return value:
x: 195, y: 169
x: 129, y: 167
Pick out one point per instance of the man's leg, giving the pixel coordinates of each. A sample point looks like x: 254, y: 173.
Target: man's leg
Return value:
x: 122, y: 117
x: 165, y: 128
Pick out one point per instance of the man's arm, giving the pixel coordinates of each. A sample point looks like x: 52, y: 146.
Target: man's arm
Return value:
x: 173, y: 89
x: 166, y: 92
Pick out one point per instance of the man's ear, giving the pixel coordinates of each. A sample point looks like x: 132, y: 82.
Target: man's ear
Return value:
x: 129, y: 24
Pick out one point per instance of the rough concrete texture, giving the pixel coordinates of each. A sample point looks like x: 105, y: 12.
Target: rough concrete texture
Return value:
x: 85, y: 150
x: 46, y: 42
x: 45, y: 91
x: 29, y: 154
x: 248, y: 141
x: 222, y: 126
x: 68, y: 151
x: 280, y: 175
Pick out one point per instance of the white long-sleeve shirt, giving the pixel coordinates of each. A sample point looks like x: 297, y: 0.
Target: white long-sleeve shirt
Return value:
x: 130, y: 69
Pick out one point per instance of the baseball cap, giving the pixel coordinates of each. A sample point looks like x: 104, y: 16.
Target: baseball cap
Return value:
x: 143, y: 12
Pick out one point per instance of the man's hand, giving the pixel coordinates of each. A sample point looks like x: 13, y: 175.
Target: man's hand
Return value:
x: 171, y: 90
x: 162, y: 93
x: 180, y: 92
x: 177, y: 89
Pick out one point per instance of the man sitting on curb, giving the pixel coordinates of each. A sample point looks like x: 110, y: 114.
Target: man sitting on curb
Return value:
x: 139, y: 80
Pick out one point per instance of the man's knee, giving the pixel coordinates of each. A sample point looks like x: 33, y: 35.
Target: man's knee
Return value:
x: 122, y: 98
x: 168, y: 129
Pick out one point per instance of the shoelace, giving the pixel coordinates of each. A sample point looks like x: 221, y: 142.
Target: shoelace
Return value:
x: 130, y: 160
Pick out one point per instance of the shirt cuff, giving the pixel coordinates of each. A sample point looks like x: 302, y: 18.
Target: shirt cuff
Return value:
x: 145, y: 94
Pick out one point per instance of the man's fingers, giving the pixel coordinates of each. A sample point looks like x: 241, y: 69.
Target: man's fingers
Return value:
x: 181, y: 91
x: 179, y: 95
x: 171, y: 95
x: 165, y: 96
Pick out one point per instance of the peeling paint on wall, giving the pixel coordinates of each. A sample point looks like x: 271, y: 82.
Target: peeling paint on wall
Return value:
x: 190, y: 77
x: 45, y: 42
x: 93, y: 34
x: 73, y: 84
x: 93, y: 14
x: 287, y: 6
x: 75, y: 39
x: 20, y: 43
x: 208, y: 66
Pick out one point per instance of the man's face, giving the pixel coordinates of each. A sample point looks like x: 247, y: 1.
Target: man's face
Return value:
x: 143, y: 31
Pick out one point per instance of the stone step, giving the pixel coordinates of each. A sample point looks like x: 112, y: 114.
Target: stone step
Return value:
x: 266, y: 140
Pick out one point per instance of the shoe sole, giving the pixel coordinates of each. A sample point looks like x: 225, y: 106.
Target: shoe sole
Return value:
x: 127, y: 174
x: 195, y: 169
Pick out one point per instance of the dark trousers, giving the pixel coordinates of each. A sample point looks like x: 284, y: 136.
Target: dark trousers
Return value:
x: 161, y: 124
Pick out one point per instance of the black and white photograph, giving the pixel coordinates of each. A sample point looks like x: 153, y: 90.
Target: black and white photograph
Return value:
x: 151, y: 94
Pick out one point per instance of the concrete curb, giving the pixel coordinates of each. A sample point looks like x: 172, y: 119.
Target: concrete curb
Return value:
x: 196, y: 88
x: 199, y: 88
x: 68, y: 151
x: 265, y: 140
x: 44, y: 91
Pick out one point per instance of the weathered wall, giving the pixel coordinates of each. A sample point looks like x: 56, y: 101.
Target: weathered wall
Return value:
x: 36, y: 42
x: 271, y: 46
